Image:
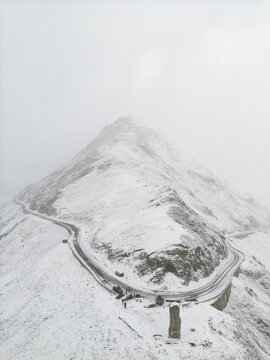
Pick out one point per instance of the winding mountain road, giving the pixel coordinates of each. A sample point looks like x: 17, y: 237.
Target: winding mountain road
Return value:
x: 206, y: 293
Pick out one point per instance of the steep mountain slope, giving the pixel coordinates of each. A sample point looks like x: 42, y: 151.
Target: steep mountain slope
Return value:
x: 146, y: 209
x: 51, y: 308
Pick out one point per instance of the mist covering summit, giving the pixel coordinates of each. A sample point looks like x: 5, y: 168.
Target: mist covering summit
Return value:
x: 146, y: 209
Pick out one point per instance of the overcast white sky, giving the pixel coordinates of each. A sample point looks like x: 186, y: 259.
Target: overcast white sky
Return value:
x: 198, y: 70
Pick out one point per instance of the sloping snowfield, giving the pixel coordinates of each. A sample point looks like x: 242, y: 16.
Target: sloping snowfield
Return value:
x: 51, y: 308
x: 145, y: 209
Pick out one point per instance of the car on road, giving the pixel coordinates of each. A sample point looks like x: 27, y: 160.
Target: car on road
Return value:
x: 159, y: 300
x: 118, y: 290
x: 120, y: 274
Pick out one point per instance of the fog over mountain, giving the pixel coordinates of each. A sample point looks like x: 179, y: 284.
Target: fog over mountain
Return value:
x: 134, y: 179
x: 197, y: 70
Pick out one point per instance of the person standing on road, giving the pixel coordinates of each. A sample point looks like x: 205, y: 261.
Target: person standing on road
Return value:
x: 125, y: 304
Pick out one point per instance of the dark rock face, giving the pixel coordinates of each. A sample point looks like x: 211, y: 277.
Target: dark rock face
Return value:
x: 222, y: 301
x: 182, y: 214
x: 185, y: 262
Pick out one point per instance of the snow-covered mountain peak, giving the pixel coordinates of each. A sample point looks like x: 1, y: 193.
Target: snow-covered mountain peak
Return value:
x: 122, y: 122
x: 145, y: 207
x: 125, y: 130
x: 127, y: 141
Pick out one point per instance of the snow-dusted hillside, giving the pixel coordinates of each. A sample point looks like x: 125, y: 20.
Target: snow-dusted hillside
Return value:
x: 51, y: 308
x: 146, y: 209
x: 158, y: 216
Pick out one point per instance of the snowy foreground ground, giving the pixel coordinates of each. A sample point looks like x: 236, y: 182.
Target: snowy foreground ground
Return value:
x: 51, y: 308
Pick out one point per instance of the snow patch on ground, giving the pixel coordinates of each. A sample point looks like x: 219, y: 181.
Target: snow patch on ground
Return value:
x: 256, y: 245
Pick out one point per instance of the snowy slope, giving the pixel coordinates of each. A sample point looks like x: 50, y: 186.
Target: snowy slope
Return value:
x: 51, y: 308
x: 146, y: 209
